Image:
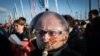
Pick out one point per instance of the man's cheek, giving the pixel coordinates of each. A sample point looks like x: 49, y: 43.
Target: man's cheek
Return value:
x: 63, y: 39
x: 53, y: 40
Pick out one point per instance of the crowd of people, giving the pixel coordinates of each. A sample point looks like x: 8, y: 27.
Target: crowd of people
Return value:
x: 51, y: 34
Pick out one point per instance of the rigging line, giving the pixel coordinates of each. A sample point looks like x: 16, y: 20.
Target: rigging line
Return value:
x: 22, y: 7
x: 30, y: 4
x: 98, y: 2
x: 69, y: 6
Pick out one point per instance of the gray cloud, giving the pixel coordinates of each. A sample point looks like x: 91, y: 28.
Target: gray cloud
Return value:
x: 3, y: 10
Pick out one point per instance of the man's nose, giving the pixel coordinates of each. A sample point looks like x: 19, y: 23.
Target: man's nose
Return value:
x: 46, y: 38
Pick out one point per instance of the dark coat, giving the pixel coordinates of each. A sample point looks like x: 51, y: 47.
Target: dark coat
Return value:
x: 92, y: 34
x: 65, y: 52
x: 4, y: 44
x: 75, y: 43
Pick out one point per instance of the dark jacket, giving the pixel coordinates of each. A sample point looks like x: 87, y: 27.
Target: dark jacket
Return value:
x: 65, y: 52
x: 92, y: 34
x: 75, y: 43
x: 4, y: 44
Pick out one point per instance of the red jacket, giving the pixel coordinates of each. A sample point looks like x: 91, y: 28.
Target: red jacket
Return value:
x: 19, y: 51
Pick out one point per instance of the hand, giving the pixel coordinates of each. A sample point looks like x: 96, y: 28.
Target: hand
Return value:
x: 21, y: 47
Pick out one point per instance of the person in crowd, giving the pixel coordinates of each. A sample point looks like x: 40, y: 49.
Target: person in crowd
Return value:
x: 77, y: 23
x: 23, y: 34
x: 92, y: 33
x: 52, y: 34
x: 1, y: 25
x: 75, y: 42
x: 6, y: 27
x: 11, y: 28
x: 4, y: 43
x: 83, y: 26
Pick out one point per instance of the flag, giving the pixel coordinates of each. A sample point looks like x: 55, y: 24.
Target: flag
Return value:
x: 34, y: 6
x: 42, y: 4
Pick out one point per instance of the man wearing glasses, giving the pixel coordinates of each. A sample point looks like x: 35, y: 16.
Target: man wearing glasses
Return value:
x: 51, y: 31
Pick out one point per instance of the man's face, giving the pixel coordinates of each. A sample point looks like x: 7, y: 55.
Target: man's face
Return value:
x: 50, y: 34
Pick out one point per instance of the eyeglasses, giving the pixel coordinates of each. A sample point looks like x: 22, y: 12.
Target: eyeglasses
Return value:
x: 50, y: 33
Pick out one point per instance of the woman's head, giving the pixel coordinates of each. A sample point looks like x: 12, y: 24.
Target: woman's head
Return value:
x: 19, y: 25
